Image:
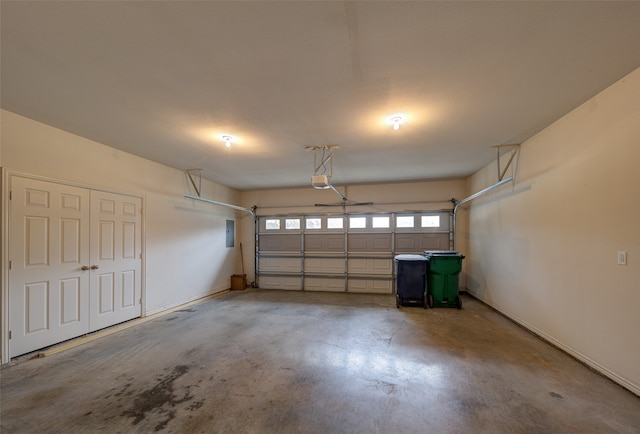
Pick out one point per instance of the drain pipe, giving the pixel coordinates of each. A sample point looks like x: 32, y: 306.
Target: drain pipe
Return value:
x: 470, y: 198
x: 215, y: 202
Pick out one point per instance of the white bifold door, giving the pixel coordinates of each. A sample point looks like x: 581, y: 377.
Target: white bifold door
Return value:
x: 75, y: 262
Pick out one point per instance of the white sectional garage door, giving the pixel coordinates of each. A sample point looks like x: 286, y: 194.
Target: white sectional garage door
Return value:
x: 343, y: 252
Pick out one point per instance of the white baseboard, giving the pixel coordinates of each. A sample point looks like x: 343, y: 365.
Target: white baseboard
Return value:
x: 182, y: 302
x: 619, y: 379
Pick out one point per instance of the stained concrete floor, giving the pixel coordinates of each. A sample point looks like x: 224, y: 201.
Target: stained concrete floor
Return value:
x: 260, y: 361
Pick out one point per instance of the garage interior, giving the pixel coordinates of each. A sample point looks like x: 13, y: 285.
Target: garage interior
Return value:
x: 152, y: 151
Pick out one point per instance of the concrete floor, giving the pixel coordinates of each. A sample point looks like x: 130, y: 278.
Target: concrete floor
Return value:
x: 260, y: 361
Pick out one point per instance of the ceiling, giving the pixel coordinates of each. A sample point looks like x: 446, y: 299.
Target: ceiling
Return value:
x: 165, y: 80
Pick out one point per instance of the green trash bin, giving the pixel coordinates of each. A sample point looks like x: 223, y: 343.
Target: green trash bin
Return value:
x: 443, y: 271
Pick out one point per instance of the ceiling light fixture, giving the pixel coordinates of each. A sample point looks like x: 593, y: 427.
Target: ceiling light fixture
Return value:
x: 227, y: 140
x: 396, y: 120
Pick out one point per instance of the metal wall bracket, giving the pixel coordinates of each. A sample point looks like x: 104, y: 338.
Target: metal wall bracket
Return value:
x: 514, y: 150
x: 197, y: 188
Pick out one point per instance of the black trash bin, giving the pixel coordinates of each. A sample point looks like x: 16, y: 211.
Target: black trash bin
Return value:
x: 411, y: 280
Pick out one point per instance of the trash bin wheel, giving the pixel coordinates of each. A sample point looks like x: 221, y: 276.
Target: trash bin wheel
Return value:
x: 458, y: 302
x: 430, y: 300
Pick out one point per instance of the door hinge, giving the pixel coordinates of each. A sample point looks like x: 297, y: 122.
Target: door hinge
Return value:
x: 10, y: 195
x: 10, y: 334
x: 10, y: 264
x: 140, y: 301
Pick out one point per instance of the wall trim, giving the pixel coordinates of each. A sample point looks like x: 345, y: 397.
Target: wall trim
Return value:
x: 618, y: 379
x: 217, y: 291
x: 4, y: 266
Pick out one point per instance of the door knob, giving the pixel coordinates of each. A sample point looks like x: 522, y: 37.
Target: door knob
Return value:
x: 84, y: 268
x: 94, y: 267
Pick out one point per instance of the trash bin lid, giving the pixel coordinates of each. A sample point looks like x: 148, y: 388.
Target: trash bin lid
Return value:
x: 410, y: 258
x: 440, y: 252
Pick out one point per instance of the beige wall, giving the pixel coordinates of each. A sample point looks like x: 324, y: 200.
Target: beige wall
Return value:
x: 410, y: 196
x: 186, y: 257
x: 544, y: 250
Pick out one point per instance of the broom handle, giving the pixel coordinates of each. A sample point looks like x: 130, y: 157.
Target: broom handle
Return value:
x: 242, y: 259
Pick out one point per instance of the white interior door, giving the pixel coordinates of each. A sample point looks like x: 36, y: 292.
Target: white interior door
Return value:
x: 48, y: 246
x: 115, y: 259
x: 75, y: 262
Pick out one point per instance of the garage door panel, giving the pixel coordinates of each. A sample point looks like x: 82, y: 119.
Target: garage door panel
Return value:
x: 281, y: 265
x: 281, y: 242
x: 376, y: 242
x: 324, y: 284
x: 292, y: 283
x: 377, y: 266
x: 417, y: 243
x: 324, y: 242
x: 370, y: 286
x: 324, y: 265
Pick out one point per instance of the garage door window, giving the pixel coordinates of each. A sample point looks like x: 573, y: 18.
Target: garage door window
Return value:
x: 314, y: 223
x: 357, y: 222
x: 430, y: 221
x: 272, y: 224
x: 404, y: 221
x: 335, y: 223
x: 380, y: 222
x: 292, y: 223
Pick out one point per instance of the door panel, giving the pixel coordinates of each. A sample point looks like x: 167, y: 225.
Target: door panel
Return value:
x: 128, y: 240
x: 281, y: 242
x: 281, y: 282
x: 106, y: 291
x: 106, y: 240
x: 324, y: 265
x: 37, y: 307
x: 116, y: 243
x: 419, y: 242
x: 70, y: 300
x: 323, y: 284
x: 324, y: 242
x: 281, y: 265
x: 370, y: 286
x: 37, y: 241
x: 70, y: 248
x: 48, y: 245
x: 376, y: 242
x: 377, y: 266
x: 128, y: 288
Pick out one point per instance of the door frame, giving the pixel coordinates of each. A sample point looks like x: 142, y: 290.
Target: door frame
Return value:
x: 5, y: 183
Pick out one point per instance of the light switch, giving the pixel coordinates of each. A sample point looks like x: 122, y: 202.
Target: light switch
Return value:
x: 622, y: 258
